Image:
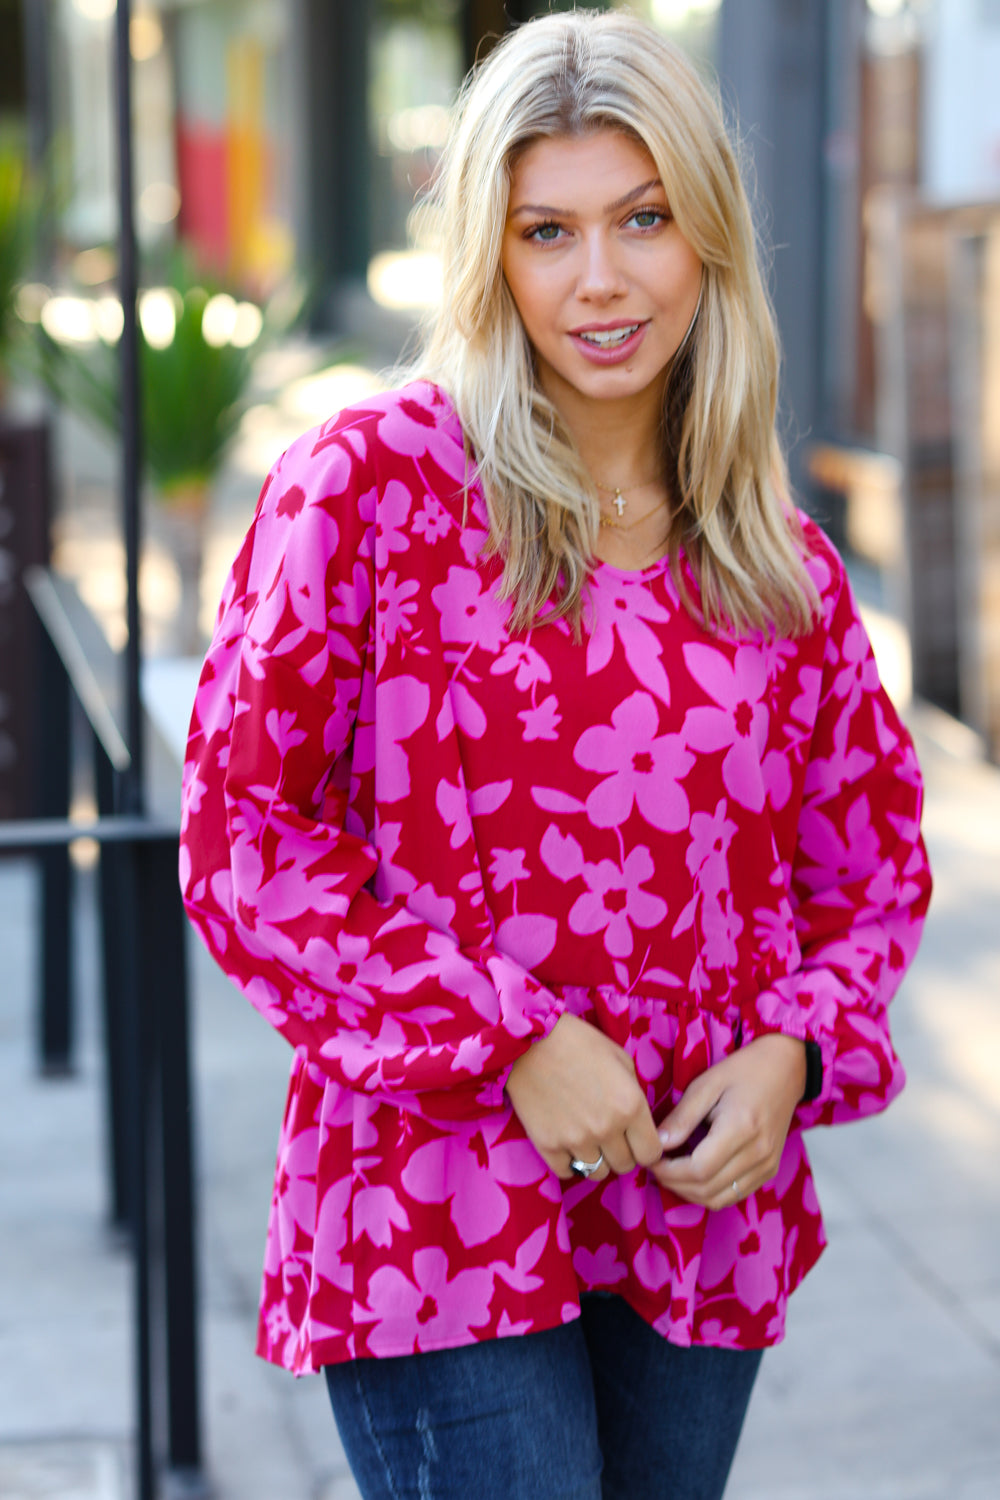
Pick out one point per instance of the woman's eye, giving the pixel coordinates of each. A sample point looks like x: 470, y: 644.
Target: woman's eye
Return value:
x: 647, y: 218
x: 544, y: 232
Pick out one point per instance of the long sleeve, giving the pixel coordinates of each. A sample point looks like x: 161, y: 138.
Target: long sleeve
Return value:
x: 860, y: 883
x: 277, y: 866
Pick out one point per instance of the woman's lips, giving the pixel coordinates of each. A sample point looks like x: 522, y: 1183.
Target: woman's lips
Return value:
x: 612, y: 345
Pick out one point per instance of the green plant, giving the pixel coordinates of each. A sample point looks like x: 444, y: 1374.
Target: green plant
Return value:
x: 19, y: 204
x: 196, y: 350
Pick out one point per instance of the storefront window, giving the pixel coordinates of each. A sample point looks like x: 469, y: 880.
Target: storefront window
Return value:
x: 235, y: 122
x: 84, y: 101
x: 416, y: 70
x: 212, y: 126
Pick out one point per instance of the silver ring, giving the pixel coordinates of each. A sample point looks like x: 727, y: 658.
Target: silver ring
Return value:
x: 736, y: 1186
x: 586, y: 1168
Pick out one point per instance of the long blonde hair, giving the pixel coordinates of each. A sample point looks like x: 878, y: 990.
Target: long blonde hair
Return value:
x: 566, y: 75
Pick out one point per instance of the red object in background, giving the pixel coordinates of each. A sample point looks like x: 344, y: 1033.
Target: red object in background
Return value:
x: 202, y: 179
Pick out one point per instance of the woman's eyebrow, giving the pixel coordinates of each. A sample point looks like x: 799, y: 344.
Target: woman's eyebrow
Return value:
x: 637, y: 192
x: 609, y: 208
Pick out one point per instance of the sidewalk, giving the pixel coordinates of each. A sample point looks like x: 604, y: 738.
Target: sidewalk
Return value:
x: 887, y: 1388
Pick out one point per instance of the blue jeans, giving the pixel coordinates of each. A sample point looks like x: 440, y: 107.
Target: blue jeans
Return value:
x: 599, y: 1409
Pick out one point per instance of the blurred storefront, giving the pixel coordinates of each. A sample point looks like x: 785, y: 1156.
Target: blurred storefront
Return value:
x: 281, y: 133
x: 299, y: 134
x: 931, y: 206
x: 272, y: 134
x: 874, y: 127
x: 236, y: 130
x: 214, y: 123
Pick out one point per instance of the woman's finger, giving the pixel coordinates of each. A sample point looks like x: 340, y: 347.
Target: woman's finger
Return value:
x: 618, y: 1156
x: 560, y: 1162
x: 691, y: 1112
x: 592, y: 1165
x: 643, y: 1138
x: 736, y: 1180
x: 723, y: 1169
x: 575, y: 1091
x: 756, y: 1090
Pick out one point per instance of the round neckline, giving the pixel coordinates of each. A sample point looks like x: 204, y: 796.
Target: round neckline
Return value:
x: 650, y: 570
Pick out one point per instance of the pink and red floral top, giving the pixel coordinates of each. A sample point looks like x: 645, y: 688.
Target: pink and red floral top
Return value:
x: 414, y: 839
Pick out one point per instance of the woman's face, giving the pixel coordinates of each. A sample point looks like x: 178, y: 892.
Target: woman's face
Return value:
x: 604, y: 281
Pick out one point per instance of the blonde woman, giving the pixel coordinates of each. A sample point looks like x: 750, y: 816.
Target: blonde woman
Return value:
x: 542, y: 792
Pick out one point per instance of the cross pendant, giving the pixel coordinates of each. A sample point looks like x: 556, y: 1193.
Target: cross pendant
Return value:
x: 619, y: 503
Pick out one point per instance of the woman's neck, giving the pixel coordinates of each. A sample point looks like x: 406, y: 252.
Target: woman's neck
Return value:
x: 621, y: 444
x: 619, y: 441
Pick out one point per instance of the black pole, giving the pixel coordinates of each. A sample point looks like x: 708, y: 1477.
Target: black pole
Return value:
x: 119, y: 1073
x: 138, y: 1050
x: 55, y: 1041
x: 133, y: 780
x: 163, y: 975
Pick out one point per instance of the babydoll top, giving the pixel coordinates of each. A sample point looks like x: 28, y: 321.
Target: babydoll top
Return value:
x: 414, y: 838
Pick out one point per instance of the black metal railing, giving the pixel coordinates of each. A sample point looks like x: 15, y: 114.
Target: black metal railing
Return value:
x: 145, y: 1024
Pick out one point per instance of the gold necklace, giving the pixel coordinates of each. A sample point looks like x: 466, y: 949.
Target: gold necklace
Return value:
x: 619, y: 503
x: 625, y: 525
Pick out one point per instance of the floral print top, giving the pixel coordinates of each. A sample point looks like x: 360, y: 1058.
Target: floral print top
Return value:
x: 414, y: 839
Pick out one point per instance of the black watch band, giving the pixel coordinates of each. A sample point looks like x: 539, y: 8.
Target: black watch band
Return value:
x: 814, y: 1073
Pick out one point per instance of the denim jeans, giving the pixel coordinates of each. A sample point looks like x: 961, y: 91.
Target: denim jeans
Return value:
x: 599, y: 1409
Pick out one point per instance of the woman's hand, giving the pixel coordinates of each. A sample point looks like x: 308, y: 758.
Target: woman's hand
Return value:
x: 747, y: 1100
x: 576, y: 1094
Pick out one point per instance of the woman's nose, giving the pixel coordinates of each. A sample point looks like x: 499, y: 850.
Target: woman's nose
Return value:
x: 600, y: 273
